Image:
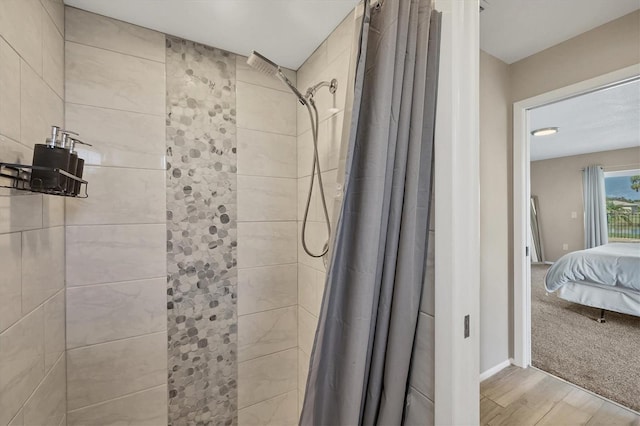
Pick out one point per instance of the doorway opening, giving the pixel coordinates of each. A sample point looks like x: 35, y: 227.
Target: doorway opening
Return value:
x: 554, y: 330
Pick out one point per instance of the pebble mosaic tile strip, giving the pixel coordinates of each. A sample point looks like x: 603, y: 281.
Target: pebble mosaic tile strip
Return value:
x: 201, y: 234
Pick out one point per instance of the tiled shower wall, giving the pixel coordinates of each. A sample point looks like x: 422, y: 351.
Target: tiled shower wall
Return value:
x: 231, y: 183
x: 116, y: 238
x: 330, y: 60
x: 267, y: 277
x: 202, y: 234
x: 32, y: 361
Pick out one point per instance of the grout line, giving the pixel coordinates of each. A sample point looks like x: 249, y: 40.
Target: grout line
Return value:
x: 118, y: 52
x: 269, y: 266
x: 267, y: 221
x: 101, y: 166
x: 53, y: 21
x: 265, y: 131
x: 268, y: 355
x: 268, y: 399
x: 118, y: 109
x: 115, y: 283
x: 117, y: 398
x: 153, y: 333
x: 81, y: 225
x: 111, y: 282
x: 281, y: 308
x: 46, y: 375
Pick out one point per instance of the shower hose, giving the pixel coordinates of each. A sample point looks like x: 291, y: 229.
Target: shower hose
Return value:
x: 315, y: 164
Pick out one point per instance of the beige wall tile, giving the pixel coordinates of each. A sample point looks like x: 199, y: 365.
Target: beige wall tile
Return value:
x: 52, y: 211
x: 52, y: 56
x: 267, y: 332
x: 312, y: 67
x: 268, y: 287
x: 112, y: 253
x: 21, y: 26
x: 106, y: 33
x: 119, y: 138
x: 55, y: 9
x: 265, y: 109
x: 20, y: 212
x: 120, y: 195
x: 18, y: 419
x: 303, y: 370
x: 146, y: 408
x: 47, y: 405
x: 303, y: 194
x: 423, y: 368
x: 307, y: 324
x: 109, y: 370
x: 101, y: 313
x: 42, y: 265
x: 266, y: 154
x: 13, y: 151
x: 10, y: 279
x: 21, y: 363
x: 341, y: 38
x: 54, y: 329
x: 420, y: 410
x: 9, y: 91
x: 266, y: 243
x: 249, y: 75
x: 307, y: 288
x: 266, y: 199
x: 108, y: 79
x: 281, y: 411
x: 40, y: 107
x: 265, y: 377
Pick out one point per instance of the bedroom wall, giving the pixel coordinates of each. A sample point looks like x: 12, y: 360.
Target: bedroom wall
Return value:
x: 609, y: 47
x: 494, y: 131
x: 558, y: 184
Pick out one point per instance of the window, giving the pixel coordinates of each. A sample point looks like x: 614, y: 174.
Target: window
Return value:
x: 623, y: 204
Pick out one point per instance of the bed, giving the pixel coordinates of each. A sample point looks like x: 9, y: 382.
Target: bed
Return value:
x: 605, y: 277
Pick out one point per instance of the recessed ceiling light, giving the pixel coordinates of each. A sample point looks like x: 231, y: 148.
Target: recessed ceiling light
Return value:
x: 546, y: 131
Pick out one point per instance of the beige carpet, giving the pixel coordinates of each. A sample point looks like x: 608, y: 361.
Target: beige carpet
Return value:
x: 567, y: 342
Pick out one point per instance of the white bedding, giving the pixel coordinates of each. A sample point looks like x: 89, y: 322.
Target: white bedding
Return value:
x: 613, y: 265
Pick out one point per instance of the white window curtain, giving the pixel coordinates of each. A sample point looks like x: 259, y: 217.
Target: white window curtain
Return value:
x: 595, y: 207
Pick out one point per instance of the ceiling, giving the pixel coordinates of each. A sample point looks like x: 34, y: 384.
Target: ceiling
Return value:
x: 598, y: 121
x: 286, y: 31
x: 514, y: 29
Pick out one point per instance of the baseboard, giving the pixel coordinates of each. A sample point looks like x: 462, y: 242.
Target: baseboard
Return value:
x: 494, y: 370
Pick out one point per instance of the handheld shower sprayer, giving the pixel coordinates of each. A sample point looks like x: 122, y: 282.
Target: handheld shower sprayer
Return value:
x: 268, y: 67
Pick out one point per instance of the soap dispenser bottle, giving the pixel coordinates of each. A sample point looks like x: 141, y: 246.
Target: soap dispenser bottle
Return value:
x: 51, y: 155
x: 77, y: 165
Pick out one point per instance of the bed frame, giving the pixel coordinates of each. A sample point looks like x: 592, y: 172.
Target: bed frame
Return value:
x: 605, y: 298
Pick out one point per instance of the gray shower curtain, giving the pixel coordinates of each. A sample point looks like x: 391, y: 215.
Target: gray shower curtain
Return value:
x: 595, y: 207
x: 362, y: 352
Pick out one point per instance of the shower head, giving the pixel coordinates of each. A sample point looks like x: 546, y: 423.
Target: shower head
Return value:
x: 268, y: 67
x: 262, y: 64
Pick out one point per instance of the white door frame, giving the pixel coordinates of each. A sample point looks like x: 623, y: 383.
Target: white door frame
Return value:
x: 457, y: 245
x: 522, y: 194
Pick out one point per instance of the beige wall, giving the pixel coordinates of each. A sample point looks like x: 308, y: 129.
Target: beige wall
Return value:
x: 267, y: 256
x: 32, y: 258
x: 558, y: 184
x: 330, y: 60
x: 494, y: 214
x: 610, y: 47
x: 116, y: 238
